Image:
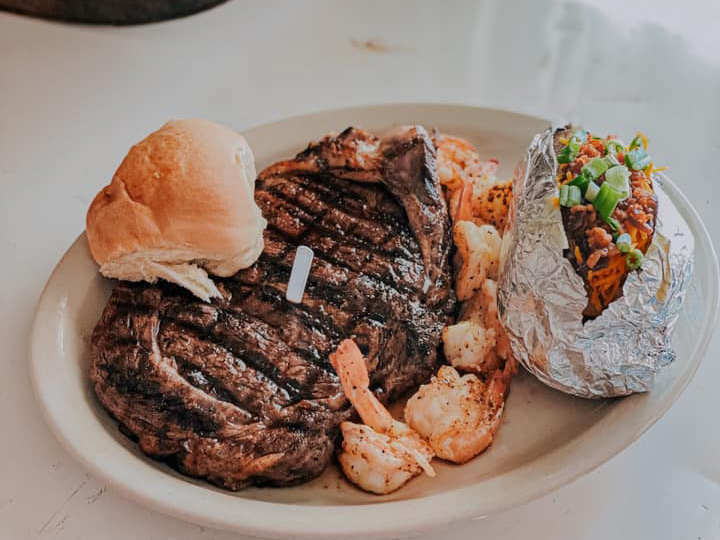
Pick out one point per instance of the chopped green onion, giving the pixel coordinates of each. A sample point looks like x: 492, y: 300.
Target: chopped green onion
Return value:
x: 617, y: 177
x: 637, y: 159
x: 580, y: 136
x: 605, y: 203
x: 566, y: 154
x: 591, y: 192
x: 574, y: 196
x: 636, y: 143
x: 624, y: 243
x: 614, y: 223
x: 570, y: 195
x: 615, y: 145
x: 611, y: 160
x: 634, y: 259
x: 595, y: 167
x: 564, y: 195
x: 581, y: 180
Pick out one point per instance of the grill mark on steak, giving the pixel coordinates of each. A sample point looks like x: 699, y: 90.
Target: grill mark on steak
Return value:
x: 342, y: 253
x: 355, y: 231
x: 315, y: 313
x: 240, y: 391
x: 347, y: 249
x: 331, y: 219
x: 161, y: 400
x: 219, y: 373
x: 350, y: 309
x: 268, y: 303
x: 351, y: 258
x: 366, y: 201
x: 377, y: 302
x: 261, y: 347
x: 261, y: 337
x: 371, y: 207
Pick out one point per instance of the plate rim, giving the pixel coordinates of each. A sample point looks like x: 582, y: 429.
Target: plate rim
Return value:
x: 382, y: 519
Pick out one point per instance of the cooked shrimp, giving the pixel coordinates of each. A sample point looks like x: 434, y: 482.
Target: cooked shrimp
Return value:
x: 479, y: 248
x: 474, y: 192
x: 384, y: 454
x: 482, y: 200
x: 375, y: 462
x: 459, y: 415
x: 478, y: 342
x: 458, y: 161
x: 470, y: 346
x: 491, y: 202
x: 482, y: 309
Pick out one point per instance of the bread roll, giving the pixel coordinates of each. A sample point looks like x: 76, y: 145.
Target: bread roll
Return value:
x: 180, y: 205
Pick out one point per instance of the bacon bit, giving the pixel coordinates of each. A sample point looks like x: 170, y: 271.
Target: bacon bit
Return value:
x: 598, y: 144
x: 579, y: 163
x: 598, y: 238
x: 595, y: 257
x: 639, y: 225
x: 578, y: 255
x: 589, y: 150
x: 584, y: 208
x: 640, y: 193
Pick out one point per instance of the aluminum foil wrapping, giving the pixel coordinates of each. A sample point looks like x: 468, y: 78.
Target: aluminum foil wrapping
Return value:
x: 541, y: 298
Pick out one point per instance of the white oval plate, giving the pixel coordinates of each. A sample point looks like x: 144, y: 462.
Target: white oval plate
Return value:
x: 546, y: 440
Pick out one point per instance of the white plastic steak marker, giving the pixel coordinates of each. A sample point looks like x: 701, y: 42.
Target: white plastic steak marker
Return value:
x: 299, y: 274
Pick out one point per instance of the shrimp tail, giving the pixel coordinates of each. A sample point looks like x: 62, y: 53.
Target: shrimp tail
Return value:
x: 420, y: 459
x: 350, y: 366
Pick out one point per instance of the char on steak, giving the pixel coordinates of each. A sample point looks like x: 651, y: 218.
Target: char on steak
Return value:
x: 240, y: 391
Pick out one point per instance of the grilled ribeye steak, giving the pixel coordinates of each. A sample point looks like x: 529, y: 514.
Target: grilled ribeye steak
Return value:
x: 240, y: 391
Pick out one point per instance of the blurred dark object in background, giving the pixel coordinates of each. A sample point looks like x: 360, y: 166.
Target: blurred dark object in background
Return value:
x: 108, y: 11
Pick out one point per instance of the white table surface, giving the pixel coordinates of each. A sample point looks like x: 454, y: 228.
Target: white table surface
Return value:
x: 74, y: 98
